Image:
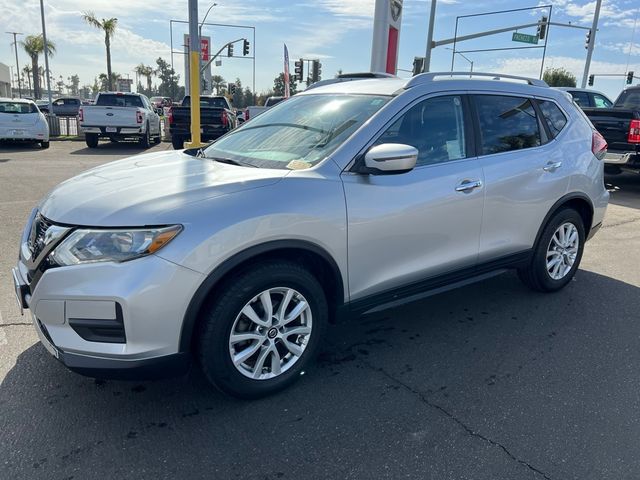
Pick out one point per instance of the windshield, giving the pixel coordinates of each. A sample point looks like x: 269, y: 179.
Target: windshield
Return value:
x: 17, y: 107
x: 297, y: 133
x: 115, y: 100
x: 629, y: 99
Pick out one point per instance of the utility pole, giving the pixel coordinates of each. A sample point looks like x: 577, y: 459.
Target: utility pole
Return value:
x: 194, y: 74
x: 46, y: 57
x: 592, y: 42
x: 15, y: 46
x: 432, y: 17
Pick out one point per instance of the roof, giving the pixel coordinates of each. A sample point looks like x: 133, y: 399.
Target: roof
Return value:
x: 16, y: 100
x: 389, y: 85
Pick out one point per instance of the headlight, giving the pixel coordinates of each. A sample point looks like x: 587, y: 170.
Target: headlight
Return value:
x: 87, y: 246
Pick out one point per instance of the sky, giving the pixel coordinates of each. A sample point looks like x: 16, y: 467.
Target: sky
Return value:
x: 337, y: 32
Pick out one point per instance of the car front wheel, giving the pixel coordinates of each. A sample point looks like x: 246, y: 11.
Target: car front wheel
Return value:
x: 262, y: 331
x: 557, y: 255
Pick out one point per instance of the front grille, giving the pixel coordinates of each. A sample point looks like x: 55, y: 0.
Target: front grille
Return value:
x: 36, y: 237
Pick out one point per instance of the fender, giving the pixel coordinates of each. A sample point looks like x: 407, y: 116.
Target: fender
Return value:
x: 199, y: 298
x: 556, y: 206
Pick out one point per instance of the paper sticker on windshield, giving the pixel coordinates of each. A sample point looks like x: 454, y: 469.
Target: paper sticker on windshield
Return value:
x: 298, y: 165
x: 377, y: 102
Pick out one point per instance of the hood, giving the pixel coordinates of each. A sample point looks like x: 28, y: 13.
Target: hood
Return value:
x: 148, y: 189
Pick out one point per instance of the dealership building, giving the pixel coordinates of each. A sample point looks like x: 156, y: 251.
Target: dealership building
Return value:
x: 5, y: 81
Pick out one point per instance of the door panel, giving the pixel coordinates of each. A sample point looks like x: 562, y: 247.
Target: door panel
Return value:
x: 409, y: 227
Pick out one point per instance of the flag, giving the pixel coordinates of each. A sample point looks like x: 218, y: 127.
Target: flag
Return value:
x: 287, y: 93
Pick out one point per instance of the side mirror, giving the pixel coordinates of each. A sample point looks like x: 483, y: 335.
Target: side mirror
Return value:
x: 390, y: 158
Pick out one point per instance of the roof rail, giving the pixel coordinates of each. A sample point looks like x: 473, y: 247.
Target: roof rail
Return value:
x: 348, y: 77
x: 423, y: 78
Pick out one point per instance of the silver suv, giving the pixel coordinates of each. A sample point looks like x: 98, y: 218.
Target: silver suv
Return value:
x: 349, y: 197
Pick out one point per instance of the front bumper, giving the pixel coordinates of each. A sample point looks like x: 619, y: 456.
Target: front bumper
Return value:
x: 112, y: 320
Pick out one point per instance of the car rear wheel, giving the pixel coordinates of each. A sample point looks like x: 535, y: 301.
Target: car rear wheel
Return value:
x: 44, y: 144
x: 91, y: 139
x: 557, y: 255
x: 262, y: 331
x: 145, y: 139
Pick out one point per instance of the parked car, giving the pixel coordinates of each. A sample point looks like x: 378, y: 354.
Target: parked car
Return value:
x: 20, y: 120
x: 120, y: 116
x: 62, y: 107
x: 586, y: 98
x: 620, y: 126
x: 216, y: 118
x: 254, y: 111
x: 350, y: 198
x: 159, y: 102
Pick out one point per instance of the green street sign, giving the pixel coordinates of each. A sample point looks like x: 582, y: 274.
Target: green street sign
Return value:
x: 524, y: 38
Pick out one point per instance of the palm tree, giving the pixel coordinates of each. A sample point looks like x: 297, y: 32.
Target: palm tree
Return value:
x: 217, y: 82
x: 146, y: 71
x: 34, y: 46
x: 27, y: 72
x: 108, y: 26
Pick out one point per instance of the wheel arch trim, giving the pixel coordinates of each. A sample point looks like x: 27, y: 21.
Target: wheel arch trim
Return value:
x: 558, y: 205
x: 197, y: 301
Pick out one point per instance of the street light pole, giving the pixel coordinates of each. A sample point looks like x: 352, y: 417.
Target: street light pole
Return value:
x: 46, y: 56
x: 194, y: 74
x: 15, y: 46
x: 592, y: 42
x: 432, y: 17
x: 200, y: 41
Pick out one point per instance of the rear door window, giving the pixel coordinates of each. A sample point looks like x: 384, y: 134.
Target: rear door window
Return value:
x: 554, y: 117
x: 506, y: 123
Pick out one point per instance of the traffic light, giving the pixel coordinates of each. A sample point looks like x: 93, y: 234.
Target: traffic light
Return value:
x: 629, y: 78
x: 245, y: 47
x: 230, y: 50
x: 299, y: 69
x: 232, y: 88
x: 418, y: 65
x: 316, y: 71
x: 587, y: 40
x: 591, y: 79
x: 542, y: 28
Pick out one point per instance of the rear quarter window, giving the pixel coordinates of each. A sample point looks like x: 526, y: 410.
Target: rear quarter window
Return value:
x: 554, y: 117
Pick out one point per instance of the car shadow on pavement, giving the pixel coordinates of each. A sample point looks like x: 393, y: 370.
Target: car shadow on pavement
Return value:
x: 624, y: 189
x: 7, y: 147
x: 471, y: 367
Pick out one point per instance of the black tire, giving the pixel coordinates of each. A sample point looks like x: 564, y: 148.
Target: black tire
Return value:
x: 145, y: 139
x: 535, y: 275
x: 219, y: 317
x: 177, y: 142
x: 91, y: 139
x: 44, y: 145
x: 157, y: 139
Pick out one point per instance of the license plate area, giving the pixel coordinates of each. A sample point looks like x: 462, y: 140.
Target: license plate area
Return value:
x: 111, y: 129
x: 18, y: 133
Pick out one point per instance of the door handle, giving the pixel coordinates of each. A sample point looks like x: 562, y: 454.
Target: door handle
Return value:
x: 552, y: 166
x: 468, y: 185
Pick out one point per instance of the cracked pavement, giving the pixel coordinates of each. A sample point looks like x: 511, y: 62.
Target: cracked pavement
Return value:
x: 490, y: 381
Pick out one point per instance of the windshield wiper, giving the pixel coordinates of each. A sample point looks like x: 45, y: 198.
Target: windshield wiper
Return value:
x: 229, y: 161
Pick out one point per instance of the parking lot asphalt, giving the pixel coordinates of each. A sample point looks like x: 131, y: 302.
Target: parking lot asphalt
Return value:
x: 490, y: 381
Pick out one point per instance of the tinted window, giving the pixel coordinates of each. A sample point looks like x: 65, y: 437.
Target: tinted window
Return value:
x: 435, y: 127
x: 581, y: 98
x: 210, y: 102
x: 629, y: 99
x: 554, y: 117
x: 506, y: 123
x: 601, y: 101
x: 113, y: 100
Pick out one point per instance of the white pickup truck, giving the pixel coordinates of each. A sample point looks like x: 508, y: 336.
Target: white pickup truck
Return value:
x: 120, y: 116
